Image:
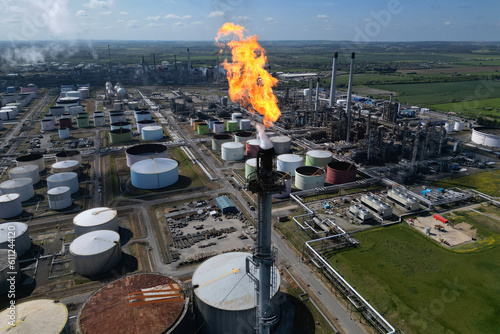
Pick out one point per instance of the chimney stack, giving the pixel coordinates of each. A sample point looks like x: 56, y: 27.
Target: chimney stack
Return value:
x: 349, y: 98
x: 334, y: 80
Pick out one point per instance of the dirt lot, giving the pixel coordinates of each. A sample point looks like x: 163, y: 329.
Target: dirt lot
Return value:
x: 454, y: 236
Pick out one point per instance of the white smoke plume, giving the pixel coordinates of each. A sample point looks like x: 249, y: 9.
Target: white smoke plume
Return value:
x: 265, y: 143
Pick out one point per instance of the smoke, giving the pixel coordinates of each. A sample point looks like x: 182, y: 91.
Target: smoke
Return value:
x: 31, y: 54
x: 265, y: 143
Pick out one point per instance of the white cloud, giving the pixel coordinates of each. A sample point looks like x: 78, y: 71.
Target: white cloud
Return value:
x: 269, y: 19
x: 81, y: 13
x: 97, y: 4
x: 132, y: 24
x: 108, y: 12
x: 447, y: 23
x: 196, y: 23
x: 321, y: 16
x: 154, y: 24
x: 153, y: 18
x: 178, y: 24
x: 216, y: 13
x: 123, y: 13
x: 177, y: 17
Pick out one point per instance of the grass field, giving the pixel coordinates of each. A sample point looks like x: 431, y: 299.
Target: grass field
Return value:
x: 422, y: 287
x: 487, y: 182
x: 486, y: 107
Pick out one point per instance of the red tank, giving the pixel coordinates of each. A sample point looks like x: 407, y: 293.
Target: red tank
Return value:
x: 339, y: 172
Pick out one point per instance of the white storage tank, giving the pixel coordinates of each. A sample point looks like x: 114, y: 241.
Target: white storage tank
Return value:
x: 142, y: 116
x: 10, y: 205
x: 281, y: 144
x: 56, y: 111
x: 145, y: 151
x: 96, y: 219
x: 448, y: 127
x: 48, y: 125
x: 219, y: 139
x: 150, y: 133
x: 66, y: 166
x: 226, y: 292
x: 154, y: 173
x: 74, y: 93
x: 68, y: 179
x: 9, y: 264
x: 459, y: 126
x: 309, y: 177
x: 38, y: 316
x: 22, y: 186
x: 20, y: 233
x: 287, y: 178
x: 59, y: 198
x: 75, y: 110
x: 243, y: 136
x: 143, y: 124
x: 64, y: 133
x: 29, y: 171
x: 232, y: 151
x: 218, y: 127
x: 99, y: 120
x: 95, y: 252
x: 288, y: 163
x: 69, y: 155
x: 245, y: 125
x: 115, y: 117
x: 319, y: 158
x: 31, y: 159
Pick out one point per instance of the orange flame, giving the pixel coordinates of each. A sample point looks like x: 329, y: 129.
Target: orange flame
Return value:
x: 249, y: 83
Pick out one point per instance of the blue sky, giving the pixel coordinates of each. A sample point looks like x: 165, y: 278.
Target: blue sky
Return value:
x: 375, y: 20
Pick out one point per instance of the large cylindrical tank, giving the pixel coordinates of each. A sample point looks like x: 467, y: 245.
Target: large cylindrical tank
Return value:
x: 99, y: 121
x: 203, y: 129
x: 121, y: 125
x: 19, y: 232
x: 48, y: 125
x: 9, y: 264
x: 31, y: 159
x: 250, y: 167
x: 245, y: 125
x: 281, y: 144
x: 56, y: 111
x: 6, y: 115
x: 487, y: 136
x: 150, y: 133
x: 232, y: 151
x: 84, y: 92
x: 59, y: 198
x: 142, y: 116
x: 339, y: 172
x: 95, y: 252
x: 218, y: 127
x: 218, y: 309
x: 69, y: 179
x: 39, y: 316
x: 287, y: 178
x: 232, y: 126
x: 211, y: 122
x: 126, y: 302
x: 75, y: 110
x: 133, y: 105
x: 120, y: 136
x: 22, y: 186
x: 96, y: 219
x: 82, y: 121
x: 219, y: 139
x: 74, y: 93
x: 65, y: 123
x: 242, y: 136
x: 66, y: 166
x: 196, y: 123
x: 318, y: 158
x: 117, y: 117
x: 69, y: 155
x: 252, y: 148
x: 288, y: 163
x: 448, y: 127
x: 154, y: 173
x: 142, y: 124
x: 30, y: 171
x: 10, y: 205
x: 459, y: 126
x: 64, y: 133
x: 145, y: 151
x: 236, y: 115
x: 309, y: 177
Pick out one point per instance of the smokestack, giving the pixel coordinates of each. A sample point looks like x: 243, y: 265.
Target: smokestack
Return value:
x: 334, y: 80
x: 154, y: 61
x: 310, y: 93
x: 349, y: 97
x: 316, y: 106
x: 189, y: 61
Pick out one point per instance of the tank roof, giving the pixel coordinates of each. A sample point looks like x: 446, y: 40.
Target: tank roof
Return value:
x: 232, y: 145
x: 289, y: 158
x: 95, y: 242
x: 22, y: 181
x: 60, y: 177
x: 309, y: 171
x: 38, y: 316
x: 95, y: 216
x: 280, y: 139
x: 113, y: 302
x: 24, y: 169
x: 153, y: 166
x: 19, y: 228
x: 152, y: 128
x: 252, y: 162
x: 255, y: 142
x: 223, y: 282
x: 58, y: 190
x: 9, y: 197
x: 319, y: 154
x: 66, y: 164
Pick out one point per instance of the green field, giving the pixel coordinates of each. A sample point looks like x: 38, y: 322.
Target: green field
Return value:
x: 487, y: 182
x: 487, y: 107
x: 422, y: 287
